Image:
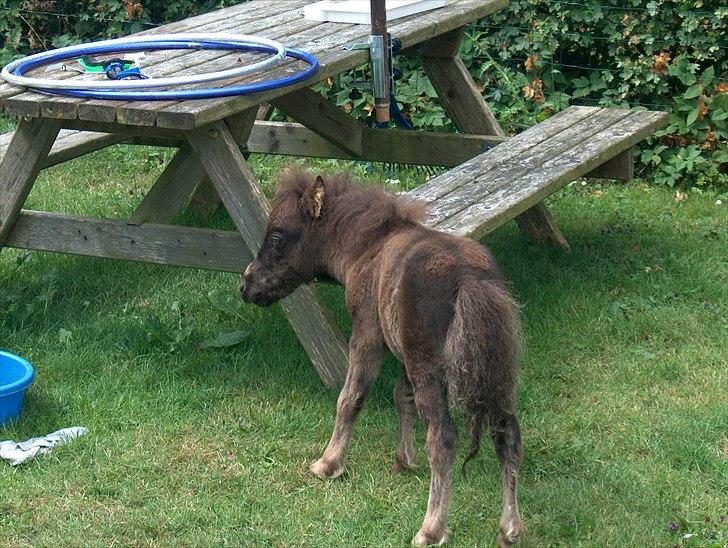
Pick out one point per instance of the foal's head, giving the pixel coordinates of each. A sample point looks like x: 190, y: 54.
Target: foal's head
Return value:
x: 290, y: 250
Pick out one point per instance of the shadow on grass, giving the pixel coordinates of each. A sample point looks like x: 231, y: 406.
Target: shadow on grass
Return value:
x: 90, y: 291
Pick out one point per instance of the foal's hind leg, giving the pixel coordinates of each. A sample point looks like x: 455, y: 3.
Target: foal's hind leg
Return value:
x: 365, y: 355
x: 431, y: 403
x: 507, y: 440
x: 404, y: 400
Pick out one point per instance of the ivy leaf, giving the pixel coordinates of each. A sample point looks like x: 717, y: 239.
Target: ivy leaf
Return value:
x: 693, y: 116
x: 708, y: 75
x: 224, y: 340
x: 693, y: 91
x: 720, y: 101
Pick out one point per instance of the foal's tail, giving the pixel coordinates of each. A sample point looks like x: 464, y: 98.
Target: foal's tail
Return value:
x: 480, y: 355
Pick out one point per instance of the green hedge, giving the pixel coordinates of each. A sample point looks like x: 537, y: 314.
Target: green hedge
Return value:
x: 531, y: 59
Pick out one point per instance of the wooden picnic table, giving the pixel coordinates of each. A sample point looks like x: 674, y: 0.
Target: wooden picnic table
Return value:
x: 208, y: 134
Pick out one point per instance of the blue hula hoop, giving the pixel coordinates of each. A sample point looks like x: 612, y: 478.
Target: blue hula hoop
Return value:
x: 178, y: 95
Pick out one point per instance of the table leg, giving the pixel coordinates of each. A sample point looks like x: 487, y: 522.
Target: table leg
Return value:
x: 466, y: 107
x: 20, y: 166
x: 240, y: 194
x: 171, y: 190
x: 205, y: 201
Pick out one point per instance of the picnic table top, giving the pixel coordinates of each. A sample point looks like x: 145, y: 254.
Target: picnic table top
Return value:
x: 280, y: 20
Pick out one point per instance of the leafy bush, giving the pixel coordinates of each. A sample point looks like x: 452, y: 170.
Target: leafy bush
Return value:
x: 661, y: 54
x: 532, y: 59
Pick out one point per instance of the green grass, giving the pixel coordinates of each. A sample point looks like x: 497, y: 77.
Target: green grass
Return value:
x: 623, y: 390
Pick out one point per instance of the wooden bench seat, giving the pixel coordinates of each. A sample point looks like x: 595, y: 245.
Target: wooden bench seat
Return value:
x: 496, y: 186
x: 70, y: 144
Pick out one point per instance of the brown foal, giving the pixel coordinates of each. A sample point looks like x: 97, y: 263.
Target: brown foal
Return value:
x: 437, y: 301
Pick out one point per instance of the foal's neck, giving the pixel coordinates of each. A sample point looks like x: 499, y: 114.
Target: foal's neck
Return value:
x: 352, y: 238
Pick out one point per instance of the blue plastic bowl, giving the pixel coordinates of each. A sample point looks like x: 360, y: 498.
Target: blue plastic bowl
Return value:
x: 16, y: 375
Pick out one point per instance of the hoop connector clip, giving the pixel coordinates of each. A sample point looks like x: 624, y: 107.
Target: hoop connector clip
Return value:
x: 377, y: 53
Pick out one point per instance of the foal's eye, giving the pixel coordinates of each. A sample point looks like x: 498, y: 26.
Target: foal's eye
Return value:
x: 277, y: 240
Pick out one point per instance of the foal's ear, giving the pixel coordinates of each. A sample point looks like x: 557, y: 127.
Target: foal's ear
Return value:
x: 313, y: 198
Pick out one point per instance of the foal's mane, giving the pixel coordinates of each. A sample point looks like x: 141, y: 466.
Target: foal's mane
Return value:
x: 381, y: 207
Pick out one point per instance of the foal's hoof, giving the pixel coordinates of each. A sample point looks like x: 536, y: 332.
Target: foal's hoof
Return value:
x: 424, y: 538
x: 398, y: 467
x: 510, y: 533
x: 326, y: 470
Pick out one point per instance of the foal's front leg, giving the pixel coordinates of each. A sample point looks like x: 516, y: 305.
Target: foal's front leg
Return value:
x: 366, y: 349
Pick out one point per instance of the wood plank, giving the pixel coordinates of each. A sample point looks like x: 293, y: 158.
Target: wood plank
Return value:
x: 324, y: 118
x: 410, y: 30
x: 205, y: 200
x: 170, y: 190
x: 502, y: 175
x: 69, y: 144
x: 311, y: 320
x: 619, y: 168
x: 446, y: 45
x: 533, y: 186
x: 25, y: 103
x: 379, y: 145
x: 538, y: 225
x: 143, y: 112
x: 460, y: 98
x: 126, y: 131
x: 20, y: 166
x: 149, y: 243
x: 466, y: 173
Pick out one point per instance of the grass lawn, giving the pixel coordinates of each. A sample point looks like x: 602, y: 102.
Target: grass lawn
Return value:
x: 623, y: 390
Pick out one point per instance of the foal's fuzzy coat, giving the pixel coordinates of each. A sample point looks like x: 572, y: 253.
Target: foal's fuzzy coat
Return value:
x: 437, y: 301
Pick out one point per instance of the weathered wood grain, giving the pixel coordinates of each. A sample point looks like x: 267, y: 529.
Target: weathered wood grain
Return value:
x: 238, y: 188
x: 21, y: 102
x: 502, y: 175
x: 462, y: 101
x: 20, y: 166
x: 410, y: 30
x: 171, y: 189
x: 147, y: 243
x: 143, y: 112
x: 491, y: 209
x: 70, y: 144
x: 324, y: 118
x: 619, y: 168
x: 205, y: 201
x: 378, y: 145
x: 466, y: 173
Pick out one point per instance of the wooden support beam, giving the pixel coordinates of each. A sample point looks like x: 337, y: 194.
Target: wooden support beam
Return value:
x: 445, y: 45
x: 171, y: 189
x: 538, y: 225
x: 19, y: 168
x: 465, y: 106
x: 238, y: 188
x: 329, y: 121
x: 379, y: 145
x: 205, y: 200
x: 148, y: 243
x: 619, y: 168
x: 460, y: 97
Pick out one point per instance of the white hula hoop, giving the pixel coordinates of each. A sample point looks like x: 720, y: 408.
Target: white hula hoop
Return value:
x: 191, y: 37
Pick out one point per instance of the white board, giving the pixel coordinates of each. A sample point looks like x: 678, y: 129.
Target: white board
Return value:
x: 357, y: 11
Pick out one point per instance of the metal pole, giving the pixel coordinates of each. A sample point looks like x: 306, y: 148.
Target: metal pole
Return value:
x: 379, y: 29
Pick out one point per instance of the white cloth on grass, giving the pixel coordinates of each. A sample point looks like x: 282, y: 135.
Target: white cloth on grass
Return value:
x: 18, y: 453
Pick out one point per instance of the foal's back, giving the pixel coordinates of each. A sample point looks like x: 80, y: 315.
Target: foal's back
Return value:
x: 422, y: 273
